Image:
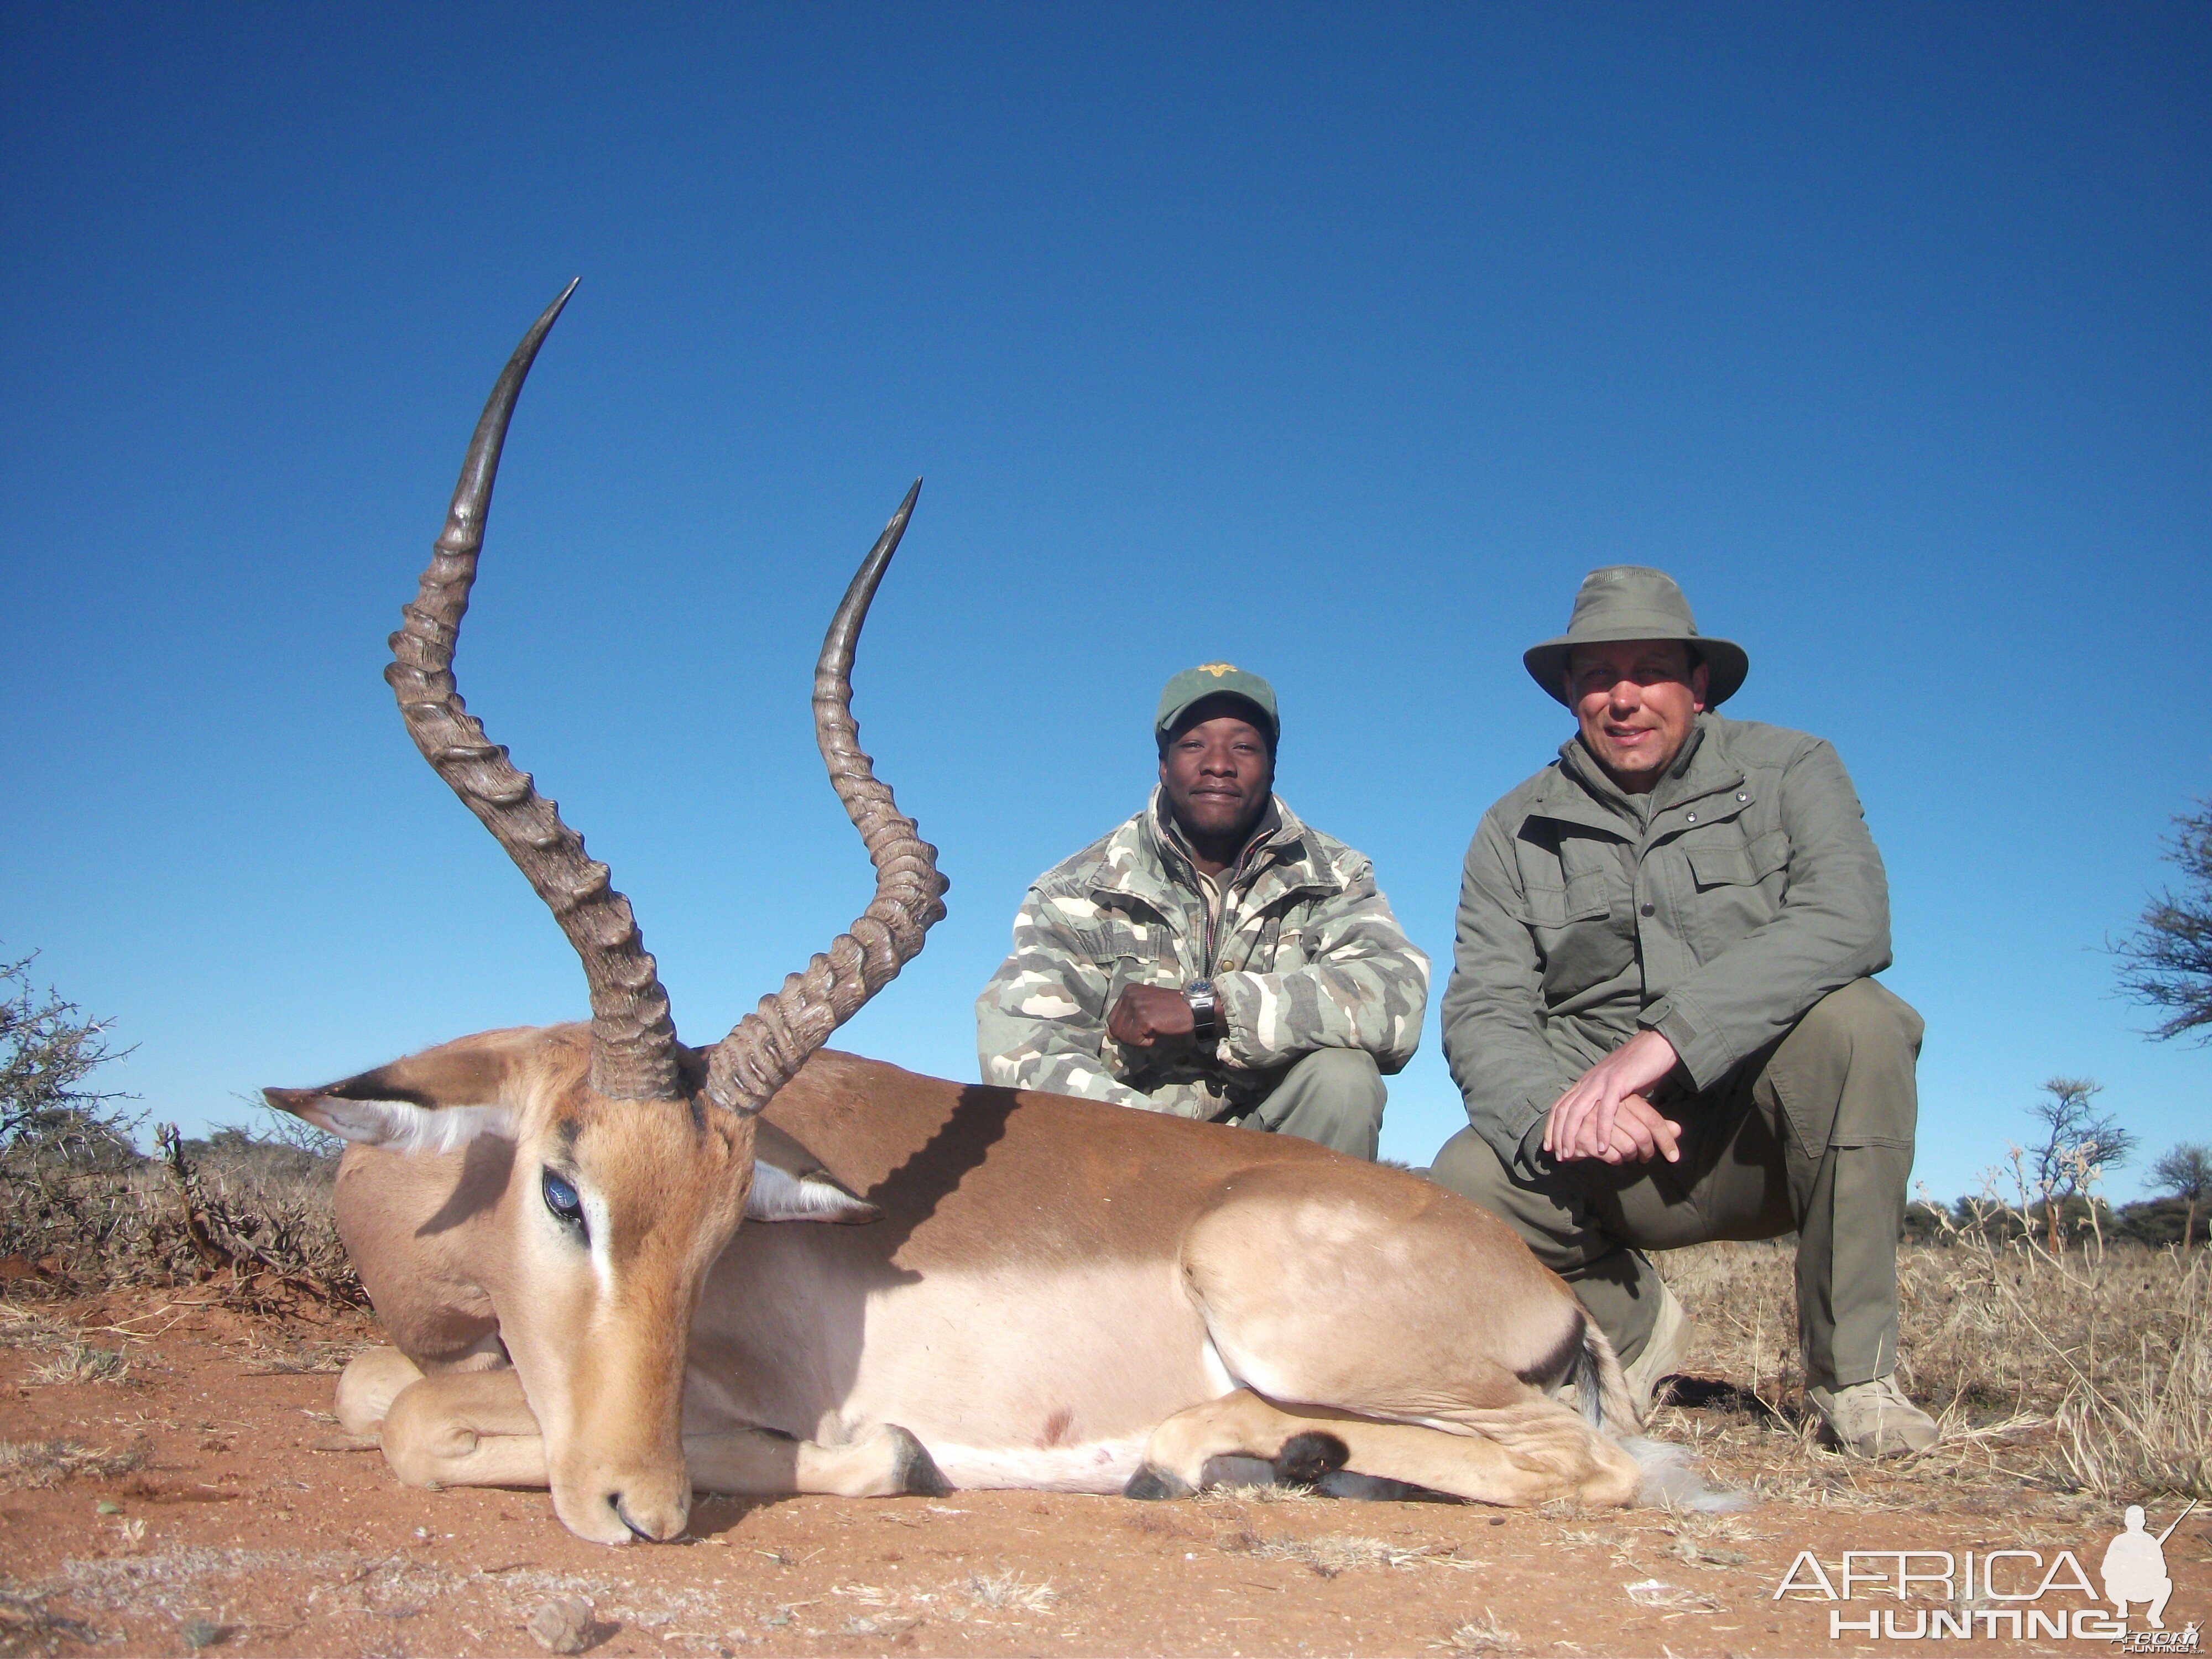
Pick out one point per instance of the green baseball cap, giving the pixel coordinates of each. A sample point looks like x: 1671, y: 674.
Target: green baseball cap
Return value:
x: 1216, y: 679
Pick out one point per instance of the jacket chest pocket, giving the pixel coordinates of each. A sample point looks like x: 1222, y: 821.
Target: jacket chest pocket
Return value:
x: 1130, y: 951
x: 1736, y: 886
x: 1580, y: 919
x: 1275, y: 945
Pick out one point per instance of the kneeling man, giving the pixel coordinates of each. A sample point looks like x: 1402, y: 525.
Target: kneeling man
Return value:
x: 1662, y: 1012
x: 1214, y: 957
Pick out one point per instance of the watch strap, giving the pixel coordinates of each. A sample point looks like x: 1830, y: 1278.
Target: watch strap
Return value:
x: 1204, y: 1009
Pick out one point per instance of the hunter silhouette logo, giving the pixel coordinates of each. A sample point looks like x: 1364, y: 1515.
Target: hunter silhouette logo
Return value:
x: 2134, y: 1567
x: 1218, y: 668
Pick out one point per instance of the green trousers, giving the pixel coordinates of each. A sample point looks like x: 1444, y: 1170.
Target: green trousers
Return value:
x: 1813, y: 1134
x: 1334, y: 1096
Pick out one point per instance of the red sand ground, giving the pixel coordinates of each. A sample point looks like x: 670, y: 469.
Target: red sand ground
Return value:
x: 238, y: 1533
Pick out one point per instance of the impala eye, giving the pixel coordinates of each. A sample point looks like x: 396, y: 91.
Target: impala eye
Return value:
x: 566, y: 1203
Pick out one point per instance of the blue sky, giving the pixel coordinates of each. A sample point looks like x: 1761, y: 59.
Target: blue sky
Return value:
x: 1335, y: 341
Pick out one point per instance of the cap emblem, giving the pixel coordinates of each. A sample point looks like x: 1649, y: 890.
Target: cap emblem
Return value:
x: 1216, y: 669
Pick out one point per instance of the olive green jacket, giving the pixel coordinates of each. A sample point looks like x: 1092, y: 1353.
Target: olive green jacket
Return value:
x: 1752, y: 890
x: 1306, y: 955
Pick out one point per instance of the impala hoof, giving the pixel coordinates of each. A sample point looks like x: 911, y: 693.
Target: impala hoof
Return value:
x: 917, y: 1471
x: 1305, y: 1458
x: 1149, y: 1483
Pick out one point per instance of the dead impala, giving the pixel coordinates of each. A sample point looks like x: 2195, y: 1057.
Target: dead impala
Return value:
x: 1033, y: 1292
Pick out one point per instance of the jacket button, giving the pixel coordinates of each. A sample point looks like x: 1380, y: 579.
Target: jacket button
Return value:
x: 1690, y: 817
x: 1648, y: 908
x: 1739, y: 795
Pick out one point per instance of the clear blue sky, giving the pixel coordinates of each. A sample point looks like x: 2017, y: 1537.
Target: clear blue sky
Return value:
x: 1334, y: 341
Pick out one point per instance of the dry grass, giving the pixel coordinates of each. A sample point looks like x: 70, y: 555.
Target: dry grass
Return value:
x: 79, y: 1361
x: 1334, y: 1553
x: 27, y: 1625
x: 2089, y: 1370
x: 1220, y: 1495
x: 299, y: 1357
x: 24, y: 1328
x: 1009, y: 1592
x: 252, y: 1216
x: 49, y: 1462
x: 1331, y: 1554
x: 1485, y: 1635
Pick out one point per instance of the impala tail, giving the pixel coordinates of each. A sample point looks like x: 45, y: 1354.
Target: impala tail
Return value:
x: 1670, y: 1480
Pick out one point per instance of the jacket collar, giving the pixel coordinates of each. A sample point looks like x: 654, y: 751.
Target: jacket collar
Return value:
x: 1578, y: 791
x: 1145, y: 859
x: 1175, y: 846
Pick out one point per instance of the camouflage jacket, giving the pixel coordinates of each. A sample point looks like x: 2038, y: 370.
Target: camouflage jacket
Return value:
x: 1308, y: 955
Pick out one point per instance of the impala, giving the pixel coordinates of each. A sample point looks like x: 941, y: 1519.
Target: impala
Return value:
x: 626, y: 1268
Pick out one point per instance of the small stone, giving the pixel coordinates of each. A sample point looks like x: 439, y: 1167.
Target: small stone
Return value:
x: 109, y: 1506
x: 561, y: 1625
x: 199, y: 1633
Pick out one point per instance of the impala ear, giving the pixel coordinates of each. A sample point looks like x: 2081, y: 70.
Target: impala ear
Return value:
x: 780, y: 1195
x: 437, y: 1101
x: 398, y: 1126
x: 790, y: 1184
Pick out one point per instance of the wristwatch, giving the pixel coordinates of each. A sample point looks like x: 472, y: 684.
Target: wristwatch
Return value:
x: 1205, y: 1012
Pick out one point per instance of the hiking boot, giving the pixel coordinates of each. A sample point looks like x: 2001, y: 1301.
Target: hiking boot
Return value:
x: 1873, y: 1419
x: 1663, y: 1355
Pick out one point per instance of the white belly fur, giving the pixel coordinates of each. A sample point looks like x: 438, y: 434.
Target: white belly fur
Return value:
x: 1021, y: 1376
x: 1047, y: 1361
x: 1102, y: 1466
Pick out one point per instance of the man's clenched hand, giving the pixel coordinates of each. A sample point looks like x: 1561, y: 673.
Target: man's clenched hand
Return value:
x: 1145, y: 1013
x: 1607, y: 1115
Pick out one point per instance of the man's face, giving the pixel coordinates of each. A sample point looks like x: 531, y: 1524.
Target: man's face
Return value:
x: 1637, y: 700
x: 1218, y: 774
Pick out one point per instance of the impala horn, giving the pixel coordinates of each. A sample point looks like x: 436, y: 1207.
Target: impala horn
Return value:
x: 634, y: 1047
x: 772, y: 1042
x: 634, y: 1054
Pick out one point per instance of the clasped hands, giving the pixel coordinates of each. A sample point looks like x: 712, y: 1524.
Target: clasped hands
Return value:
x: 1607, y: 1115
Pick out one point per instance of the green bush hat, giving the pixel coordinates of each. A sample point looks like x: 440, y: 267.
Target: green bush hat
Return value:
x: 1635, y: 602
x: 1216, y: 679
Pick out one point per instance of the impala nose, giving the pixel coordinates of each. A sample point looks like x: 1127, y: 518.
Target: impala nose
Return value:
x: 653, y: 1522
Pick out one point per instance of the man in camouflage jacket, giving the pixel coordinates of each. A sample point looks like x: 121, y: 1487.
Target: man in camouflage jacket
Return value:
x: 1663, y: 1012
x: 1214, y: 957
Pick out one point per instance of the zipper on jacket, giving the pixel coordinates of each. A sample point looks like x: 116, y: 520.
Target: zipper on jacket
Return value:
x: 1236, y: 872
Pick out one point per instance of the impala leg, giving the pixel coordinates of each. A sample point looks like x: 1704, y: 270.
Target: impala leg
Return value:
x: 370, y: 1383
x: 464, y: 1429
x: 757, y: 1463
x: 1516, y: 1456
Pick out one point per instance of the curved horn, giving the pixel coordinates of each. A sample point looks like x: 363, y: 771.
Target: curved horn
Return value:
x: 633, y: 1040
x: 773, y: 1041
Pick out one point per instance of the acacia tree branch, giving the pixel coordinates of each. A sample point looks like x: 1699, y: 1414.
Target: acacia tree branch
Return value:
x: 2166, y: 962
